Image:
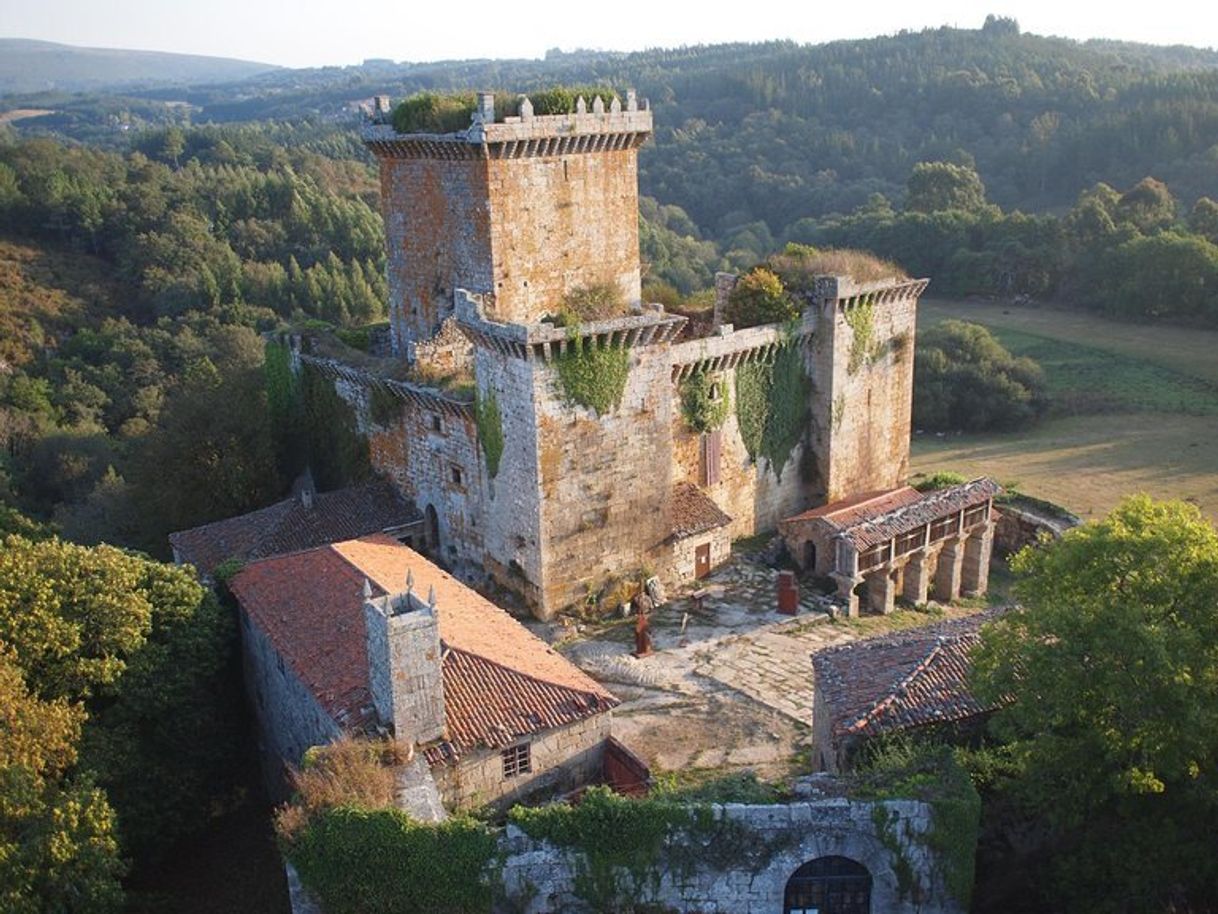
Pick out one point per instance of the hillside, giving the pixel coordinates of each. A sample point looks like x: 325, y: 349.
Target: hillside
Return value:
x: 33, y: 66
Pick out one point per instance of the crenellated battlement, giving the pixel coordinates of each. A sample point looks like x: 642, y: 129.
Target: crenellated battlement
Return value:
x: 587, y: 130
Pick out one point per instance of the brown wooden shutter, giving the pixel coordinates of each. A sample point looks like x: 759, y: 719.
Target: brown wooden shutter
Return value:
x: 712, y: 447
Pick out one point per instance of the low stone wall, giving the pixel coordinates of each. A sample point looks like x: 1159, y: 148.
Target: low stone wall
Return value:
x: 886, y: 837
x: 1022, y: 523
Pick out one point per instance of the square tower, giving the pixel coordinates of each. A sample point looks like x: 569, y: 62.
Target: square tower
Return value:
x: 521, y: 212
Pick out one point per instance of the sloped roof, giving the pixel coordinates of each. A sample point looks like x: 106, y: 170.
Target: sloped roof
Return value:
x: 501, y: 682
x: 876, y: 517
x: 693, y: 512
x: 899, y: 681
x: 288, y: 525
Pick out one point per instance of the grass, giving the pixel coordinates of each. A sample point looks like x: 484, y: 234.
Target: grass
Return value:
x: 1135, y: 411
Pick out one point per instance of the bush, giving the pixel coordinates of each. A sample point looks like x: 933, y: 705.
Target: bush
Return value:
x: 596, y: 301
x: 965, y: 380
x: 760, y: 298
x: 428, y: 112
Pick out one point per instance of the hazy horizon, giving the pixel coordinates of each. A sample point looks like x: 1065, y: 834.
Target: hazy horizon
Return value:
x: 314, y: 33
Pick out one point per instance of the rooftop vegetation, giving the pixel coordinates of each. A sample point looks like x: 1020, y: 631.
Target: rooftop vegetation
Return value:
x: 451, y: 112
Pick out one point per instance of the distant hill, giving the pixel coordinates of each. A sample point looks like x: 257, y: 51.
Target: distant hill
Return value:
x: 34, y: 66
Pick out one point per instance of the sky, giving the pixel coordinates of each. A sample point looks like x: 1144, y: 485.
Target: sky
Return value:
x: 304, y: 33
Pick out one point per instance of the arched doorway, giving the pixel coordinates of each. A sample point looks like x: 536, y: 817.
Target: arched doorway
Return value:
x: 829, y: 885
x: 431, y: 530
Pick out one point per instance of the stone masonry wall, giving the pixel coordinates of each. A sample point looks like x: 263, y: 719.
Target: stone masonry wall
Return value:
x: 438, y: 238
x: 559, y: 222
x: 604, y: 479
x: 861, y: 419
x: 540, y: 878
x: 290, y: 720
x: 562, y: 760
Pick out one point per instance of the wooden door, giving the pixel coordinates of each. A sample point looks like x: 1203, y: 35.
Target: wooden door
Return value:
x: 702, y: 560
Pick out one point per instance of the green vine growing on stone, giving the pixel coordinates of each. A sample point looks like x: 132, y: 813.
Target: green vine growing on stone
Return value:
x: 383, y: 405
x: 490, y: 430
x: 704, y: 412
x: 772, y: 405
x: 860, y: 318
x: 593, y: 375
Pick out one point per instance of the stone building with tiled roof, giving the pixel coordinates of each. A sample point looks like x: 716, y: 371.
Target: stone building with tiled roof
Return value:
x: 368, y: 636
x: 913, y: 680
x: 899, y: 542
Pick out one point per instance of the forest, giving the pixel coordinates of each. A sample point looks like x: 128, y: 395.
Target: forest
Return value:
x: 147, y: 239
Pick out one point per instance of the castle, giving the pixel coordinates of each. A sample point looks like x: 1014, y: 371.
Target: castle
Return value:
x: 490, y: 231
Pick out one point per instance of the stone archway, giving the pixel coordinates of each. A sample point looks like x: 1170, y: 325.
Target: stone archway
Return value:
x: 829, y: 885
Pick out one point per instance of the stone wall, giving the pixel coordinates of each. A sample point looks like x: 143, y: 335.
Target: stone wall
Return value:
x: 290, y: 721
x: 678, y: 564
x: 560, y: 222
x: 562, y: 760
x: 604, y: 479
x: 886, y: 837
x: 438, y: 238
x: 1020, y: 525
x: 861, y: 418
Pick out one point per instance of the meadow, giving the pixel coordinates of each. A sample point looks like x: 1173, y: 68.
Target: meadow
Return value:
x: 1135, y: 409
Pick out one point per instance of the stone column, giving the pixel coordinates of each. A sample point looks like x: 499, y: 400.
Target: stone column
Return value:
x: 947, y: 573
x: 845, y: 590
x: 917, y: 578
x: 881, y: 591
x: 975, y: 579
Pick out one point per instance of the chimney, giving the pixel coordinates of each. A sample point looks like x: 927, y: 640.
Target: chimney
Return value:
x: 404, y: 663
x: 486, y: 107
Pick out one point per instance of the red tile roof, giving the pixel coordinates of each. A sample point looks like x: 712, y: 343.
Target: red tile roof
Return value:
x: 849, y: 511
x: 501, y: 682
x: 289, y: 526
x: 693, y: 512
x: 899, y: 681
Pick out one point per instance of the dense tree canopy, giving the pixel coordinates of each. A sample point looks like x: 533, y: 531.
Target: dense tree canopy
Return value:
x: 965, y: 380
x: 1111, y: 674
x: 128, y: 660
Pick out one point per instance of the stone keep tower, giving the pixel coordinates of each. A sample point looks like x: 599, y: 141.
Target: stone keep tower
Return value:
x: 520, y: 212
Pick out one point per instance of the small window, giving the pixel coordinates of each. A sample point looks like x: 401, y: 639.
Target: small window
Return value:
x: 516, y: 761
x: 456, y: 475
x: 437, y: 424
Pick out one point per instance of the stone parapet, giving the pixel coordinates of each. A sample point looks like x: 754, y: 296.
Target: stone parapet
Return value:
x: 728, y: 347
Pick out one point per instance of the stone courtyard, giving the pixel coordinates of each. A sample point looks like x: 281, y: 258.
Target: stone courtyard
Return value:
x: 729, y: 685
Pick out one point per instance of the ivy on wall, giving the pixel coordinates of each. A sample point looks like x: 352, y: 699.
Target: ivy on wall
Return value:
x: 490, y: 430
x: 384, y: 405
x: 593, y: 375
x: 702, y: 411
x: 380, y: 861
x: 772, y: 405
x: 338, y: 453
x: 286, y: 409
x: 864, y: 350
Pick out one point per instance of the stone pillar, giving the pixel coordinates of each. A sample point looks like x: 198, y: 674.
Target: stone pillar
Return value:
x: 881, y: 591
x: 846, y: 590
x: 975, y: 577
x: 947, y: 573
x: 917, y: 578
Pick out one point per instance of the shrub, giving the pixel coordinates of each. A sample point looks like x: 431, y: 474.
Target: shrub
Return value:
x: 593, y: 302
x: 940, y: 480
x: 760, y: 298
x: 429, y: 112
x: 965, y: 380
x: 490, y: 430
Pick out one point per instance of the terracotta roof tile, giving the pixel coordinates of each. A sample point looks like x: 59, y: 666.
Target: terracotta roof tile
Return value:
x: 848, y: 511
x: 899, y: 681
x: 693, y: 512
x: 289, y: 526
x: 501, y: 681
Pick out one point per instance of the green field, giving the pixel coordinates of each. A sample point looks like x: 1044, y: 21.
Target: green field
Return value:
x: 1135, y: 409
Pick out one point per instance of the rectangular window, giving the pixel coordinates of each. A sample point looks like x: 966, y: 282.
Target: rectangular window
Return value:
x: 516, y: 761
x: 457, y: 477
x: 437, y: 424
x: 943, y: 528
x: 976, y: 515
